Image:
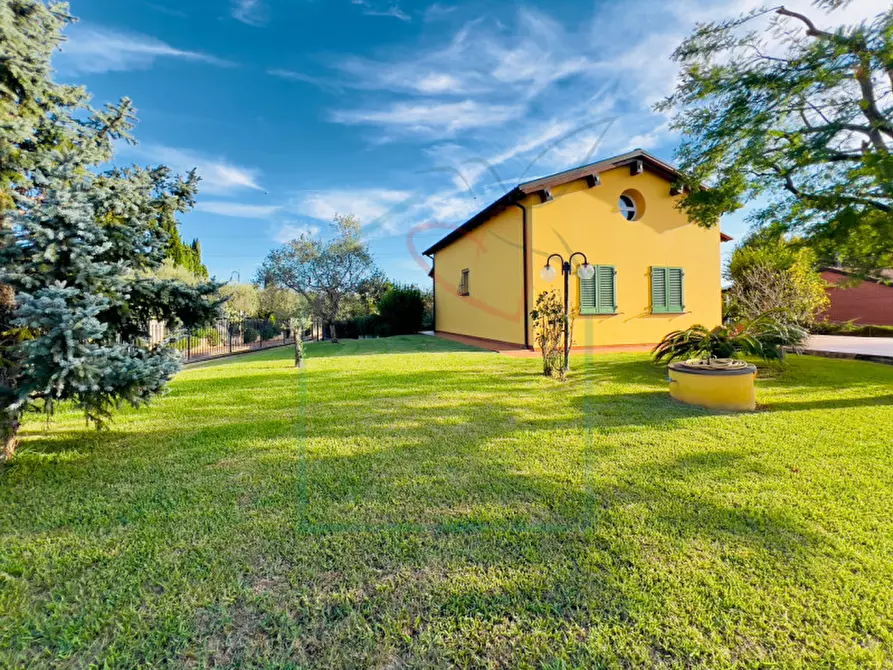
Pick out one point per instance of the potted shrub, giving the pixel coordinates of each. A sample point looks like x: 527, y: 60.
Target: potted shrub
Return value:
x: 712, y: 374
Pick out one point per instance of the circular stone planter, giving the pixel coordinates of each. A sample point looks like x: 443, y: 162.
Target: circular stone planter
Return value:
x: 728, y: 386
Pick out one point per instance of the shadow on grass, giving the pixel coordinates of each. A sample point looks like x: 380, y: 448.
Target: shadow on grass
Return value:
x: 332, y: 501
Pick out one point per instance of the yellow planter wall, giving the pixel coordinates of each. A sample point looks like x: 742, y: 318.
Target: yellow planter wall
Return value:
x: 588, y: 220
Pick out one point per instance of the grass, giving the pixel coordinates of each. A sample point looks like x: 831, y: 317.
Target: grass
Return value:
x: 410, y: 502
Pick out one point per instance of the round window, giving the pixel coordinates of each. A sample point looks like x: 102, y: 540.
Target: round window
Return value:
x: 631, y: 205
x: 628, y: 208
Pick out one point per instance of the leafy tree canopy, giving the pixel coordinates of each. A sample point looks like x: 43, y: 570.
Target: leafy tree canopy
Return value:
x: 324, y: 272
x: 797, y: 115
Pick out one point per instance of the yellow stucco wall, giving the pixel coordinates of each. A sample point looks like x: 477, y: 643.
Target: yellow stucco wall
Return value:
x: 588, y: 220
x: 493, y: 254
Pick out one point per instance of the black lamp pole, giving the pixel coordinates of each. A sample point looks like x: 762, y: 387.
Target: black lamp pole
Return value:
x: 566, y: 271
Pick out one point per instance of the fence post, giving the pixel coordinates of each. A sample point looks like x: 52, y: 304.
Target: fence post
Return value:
x: 229, y: 330
x: 188, y: 344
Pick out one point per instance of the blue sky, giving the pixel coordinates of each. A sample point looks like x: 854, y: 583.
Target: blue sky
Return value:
x: 410, y: 115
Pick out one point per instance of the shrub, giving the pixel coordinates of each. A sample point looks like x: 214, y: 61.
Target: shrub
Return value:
x: 270, y: 330
x: 401, y: 310
x: 779, y: 278
x: 367, y: 325
x: 184, y: 343
x: 549, y: 323
x: 346, y: 330
x: 210, y: 335
x: 764, y: 336
x: 250, y: 335
x: 852, y: 329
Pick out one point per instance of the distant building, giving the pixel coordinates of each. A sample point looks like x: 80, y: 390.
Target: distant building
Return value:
x: 868, y: 302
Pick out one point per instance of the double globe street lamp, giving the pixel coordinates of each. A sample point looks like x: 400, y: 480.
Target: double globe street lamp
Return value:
x: 548, y: 273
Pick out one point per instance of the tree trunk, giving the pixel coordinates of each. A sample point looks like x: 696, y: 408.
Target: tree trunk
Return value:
x: 333, y: 333
x: 9, y: 435
x: 9, y: 421
x: 299, y: 352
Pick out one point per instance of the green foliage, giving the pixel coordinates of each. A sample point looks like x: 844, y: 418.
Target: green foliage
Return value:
x: 851, y: 329
x: 210, y: 335
x: 280, y: 304
x: 325, y: 273
x: 79, y: 244
x: 804, y: 125
x: 250, y: 335
x: 764, y: 336
x: 242, y: 300
x: 402, y: 309
x: 270, y: 330
x: 778, y: 277
x: 192, y: 342
x: 549, y: 323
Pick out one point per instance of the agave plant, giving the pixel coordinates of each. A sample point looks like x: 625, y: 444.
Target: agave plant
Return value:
x: 763, y: 336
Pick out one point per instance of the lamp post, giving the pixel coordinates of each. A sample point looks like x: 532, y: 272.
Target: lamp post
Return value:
x: 548, y: 273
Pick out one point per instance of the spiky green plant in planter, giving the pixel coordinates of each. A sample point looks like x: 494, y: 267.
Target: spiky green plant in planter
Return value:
x: 763, y: 336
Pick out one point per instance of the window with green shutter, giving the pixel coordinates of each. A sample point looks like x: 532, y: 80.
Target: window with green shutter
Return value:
x: 667, y: 290
x: 598, y: 295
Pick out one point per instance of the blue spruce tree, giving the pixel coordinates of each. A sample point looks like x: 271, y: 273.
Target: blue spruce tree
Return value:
x: 77, y: 244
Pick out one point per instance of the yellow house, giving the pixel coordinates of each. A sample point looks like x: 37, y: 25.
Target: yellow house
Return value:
x: 655, y: 270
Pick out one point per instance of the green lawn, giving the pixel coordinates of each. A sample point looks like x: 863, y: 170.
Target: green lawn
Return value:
x: 410, y: 502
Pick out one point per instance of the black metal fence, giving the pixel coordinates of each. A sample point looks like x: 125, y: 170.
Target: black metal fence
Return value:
x: 225, y: 337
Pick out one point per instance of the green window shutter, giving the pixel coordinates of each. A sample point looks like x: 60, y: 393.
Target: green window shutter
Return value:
x: 588, y: 296
x: 607, y: 289
x: 658, y: 290
x: 675, y: 297
x: 667, y: 290
x: 599, y: 294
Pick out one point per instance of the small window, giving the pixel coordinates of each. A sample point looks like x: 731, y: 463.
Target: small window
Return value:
x: 667, y: 290
x: 631, y: 205
x: 463, y: 283
x: 598, y: 295
x: 628, y: 208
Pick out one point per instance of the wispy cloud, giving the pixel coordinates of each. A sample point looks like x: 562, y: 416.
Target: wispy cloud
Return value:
x: 94, y: 50
x: 437, y: 11
x: 236, y: 209
x: 431, y: 117
x: 250, y: 12
x: 286, y: 232
x: 368, y: 205
x: 164, y: 9
x: 375, y: 9
x: 293, y: 75
x: 219, y: 176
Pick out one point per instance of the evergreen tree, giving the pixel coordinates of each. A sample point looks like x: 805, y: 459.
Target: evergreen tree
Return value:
x: 76, y: 244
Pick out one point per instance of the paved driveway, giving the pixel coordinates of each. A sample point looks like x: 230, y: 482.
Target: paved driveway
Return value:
x: 840, y: 344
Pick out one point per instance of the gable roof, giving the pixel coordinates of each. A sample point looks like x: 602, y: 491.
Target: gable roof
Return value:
x: 526, y: 188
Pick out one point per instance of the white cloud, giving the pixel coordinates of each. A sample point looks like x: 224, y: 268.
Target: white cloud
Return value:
x: 250, y: 12
x: 286, y: 232
x: 293, y: 75
x: 236, y: 209
x: 93, y: 50
x: 368, y: 205
x: 432, y: 117
x: 437, y: 11
x: 377, y: 9
x: 219, y: 177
